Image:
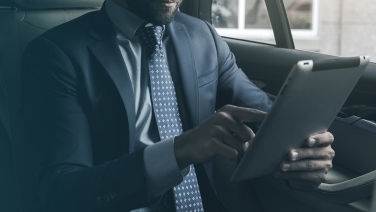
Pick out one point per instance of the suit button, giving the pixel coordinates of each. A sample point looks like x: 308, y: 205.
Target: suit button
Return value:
x: 112, y: 195
x: 99, y: 200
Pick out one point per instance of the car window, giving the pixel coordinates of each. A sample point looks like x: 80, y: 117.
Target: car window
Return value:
x: 243, y: 19
x: 341, y: 28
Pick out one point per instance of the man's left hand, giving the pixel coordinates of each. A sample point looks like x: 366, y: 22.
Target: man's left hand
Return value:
x: 309, y: 164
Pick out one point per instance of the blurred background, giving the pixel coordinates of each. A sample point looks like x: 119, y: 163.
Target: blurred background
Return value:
x: 336, y: 27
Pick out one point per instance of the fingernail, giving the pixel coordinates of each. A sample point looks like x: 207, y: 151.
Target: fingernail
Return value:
x: 311, y: 142
x: 246, y: 145
x: 286, y: 167
x: 294, y: 155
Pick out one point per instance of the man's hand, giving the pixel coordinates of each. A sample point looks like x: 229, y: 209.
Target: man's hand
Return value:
x: 222, y: 134
x: 309, y: 164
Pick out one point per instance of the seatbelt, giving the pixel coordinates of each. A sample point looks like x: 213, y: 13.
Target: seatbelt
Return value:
x: 10, y: 60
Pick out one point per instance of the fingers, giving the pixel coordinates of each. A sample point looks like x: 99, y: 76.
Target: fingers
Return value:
x: 323, y: 139
x: 224, y: 150
x: 230, y: 132
x: 238, y: 128
x: 326, y: 153
x: 307, y: 166
x: 232, y: 118
x: 222, y: 134
x: 311, y: 163
x: 231, y: 140
x: 244, y: 114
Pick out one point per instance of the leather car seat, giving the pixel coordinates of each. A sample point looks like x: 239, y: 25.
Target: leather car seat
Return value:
x: 20, y: 22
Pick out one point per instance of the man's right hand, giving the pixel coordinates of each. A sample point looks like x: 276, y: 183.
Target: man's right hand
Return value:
x: 222, y: 134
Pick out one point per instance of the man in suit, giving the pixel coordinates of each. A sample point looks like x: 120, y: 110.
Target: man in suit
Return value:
x: 93, y: 128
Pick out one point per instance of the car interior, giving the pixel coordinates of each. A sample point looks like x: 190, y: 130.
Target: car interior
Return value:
x: 20, y: 22
x: 349, y: 185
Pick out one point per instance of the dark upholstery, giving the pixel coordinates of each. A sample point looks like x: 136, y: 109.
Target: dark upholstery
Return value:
x: 52, y: 4
x: 30, y: 19
x: 4, y: 3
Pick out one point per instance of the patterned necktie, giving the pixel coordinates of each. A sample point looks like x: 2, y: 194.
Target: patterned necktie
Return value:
x: 165, y: 105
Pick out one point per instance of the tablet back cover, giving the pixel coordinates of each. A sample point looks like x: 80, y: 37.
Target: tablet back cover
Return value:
x: 307, y: 104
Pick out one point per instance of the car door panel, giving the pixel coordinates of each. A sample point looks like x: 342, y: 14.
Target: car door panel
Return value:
x: 268, y: 66
x: 271, y: 65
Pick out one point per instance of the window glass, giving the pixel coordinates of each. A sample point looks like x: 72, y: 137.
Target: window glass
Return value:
x: 341, y: 28
x: 225, y: 13
x: 243, y: 19
x: 299, y: 13
x: 256, y: 15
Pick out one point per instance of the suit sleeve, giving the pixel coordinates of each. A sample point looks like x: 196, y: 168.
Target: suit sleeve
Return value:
x: 234, y: 87
x: 58, y: 134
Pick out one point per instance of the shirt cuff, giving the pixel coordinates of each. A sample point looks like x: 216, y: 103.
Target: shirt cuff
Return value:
x: 162, y: 170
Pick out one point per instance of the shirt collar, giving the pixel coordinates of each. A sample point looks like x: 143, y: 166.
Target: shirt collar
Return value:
x: 124, y: 20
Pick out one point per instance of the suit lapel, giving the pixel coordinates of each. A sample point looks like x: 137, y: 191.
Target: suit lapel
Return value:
x: 184, y: 55
x: 107, y: 52
x: 189, y: 80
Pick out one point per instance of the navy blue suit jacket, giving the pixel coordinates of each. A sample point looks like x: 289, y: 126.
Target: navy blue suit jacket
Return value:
x: 78, y: 108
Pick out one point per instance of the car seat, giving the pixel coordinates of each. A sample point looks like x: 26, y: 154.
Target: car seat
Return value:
x: 20, y: 22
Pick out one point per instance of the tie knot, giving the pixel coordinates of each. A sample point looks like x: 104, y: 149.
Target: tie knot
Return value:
x: 151, y: 36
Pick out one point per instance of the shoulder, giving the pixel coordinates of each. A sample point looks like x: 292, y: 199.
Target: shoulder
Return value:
x: 200, y: 32
x: 191, y: 23
x: 196, y: 28
x: 73, y: 34
x: 71, y: 28
x: 189, y: 20
x: 70, y: 38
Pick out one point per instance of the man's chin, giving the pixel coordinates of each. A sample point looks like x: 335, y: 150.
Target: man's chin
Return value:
x: 163, y: 21
x: 162, y: 13
x: 162, y: 18
x: 155, y: 12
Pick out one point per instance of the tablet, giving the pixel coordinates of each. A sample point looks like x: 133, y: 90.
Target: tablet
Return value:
x: 307, y: 104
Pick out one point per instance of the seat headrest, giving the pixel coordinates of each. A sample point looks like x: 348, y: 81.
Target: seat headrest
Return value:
x: 52, y: 4
x: 7, y: 3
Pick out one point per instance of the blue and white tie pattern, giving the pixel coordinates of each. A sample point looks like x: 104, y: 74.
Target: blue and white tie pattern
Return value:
x: 187, y: 194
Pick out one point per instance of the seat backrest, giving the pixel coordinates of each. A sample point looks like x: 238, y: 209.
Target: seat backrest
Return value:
x: 9, y: 198
x: 20, y: 22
